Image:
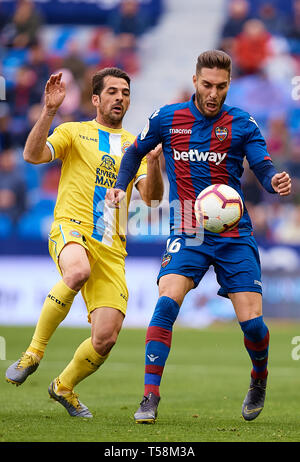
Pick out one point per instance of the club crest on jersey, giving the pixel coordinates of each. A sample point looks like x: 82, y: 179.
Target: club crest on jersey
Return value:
x: 221, y: 133
x: 108, y: 162
x: 125, y: 146
x: 166, y: 260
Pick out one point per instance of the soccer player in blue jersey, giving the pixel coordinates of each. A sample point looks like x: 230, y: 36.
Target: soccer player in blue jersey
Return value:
x: 205, y: 142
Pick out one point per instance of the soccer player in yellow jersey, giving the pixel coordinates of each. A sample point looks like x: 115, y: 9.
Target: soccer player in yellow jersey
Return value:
x: 87, y: 238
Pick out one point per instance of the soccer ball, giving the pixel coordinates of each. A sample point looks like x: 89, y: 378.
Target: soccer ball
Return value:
x: 219, y: 208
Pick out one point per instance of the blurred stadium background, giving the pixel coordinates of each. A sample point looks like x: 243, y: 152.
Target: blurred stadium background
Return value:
x: 157, y: 43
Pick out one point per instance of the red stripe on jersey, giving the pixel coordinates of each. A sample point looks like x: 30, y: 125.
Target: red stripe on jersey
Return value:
x: 219, y: 173
x: 159, y: 334
x: 183, y: 119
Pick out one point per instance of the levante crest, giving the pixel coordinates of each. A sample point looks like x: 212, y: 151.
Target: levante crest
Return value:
x: 221, y: 133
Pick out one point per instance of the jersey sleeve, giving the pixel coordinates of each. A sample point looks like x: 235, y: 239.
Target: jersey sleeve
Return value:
x: 60, y: 141
x: 255, y: 146
x: 150, y: 137
x: 131, y: 162
x: 142, y: 172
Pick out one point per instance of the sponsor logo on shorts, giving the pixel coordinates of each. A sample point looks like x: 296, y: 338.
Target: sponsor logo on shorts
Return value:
x: 166, y: 260
x: 75, y: 233
x: 124, y: 296
x: 258, y: 283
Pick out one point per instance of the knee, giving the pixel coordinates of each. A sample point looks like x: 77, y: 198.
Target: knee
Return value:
x: 255, y: 329
x: 103, y: 342
x: 76, y: 276
x: 175, y: 287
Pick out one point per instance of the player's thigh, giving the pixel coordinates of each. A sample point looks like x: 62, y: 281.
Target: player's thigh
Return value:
x: 183, y: 266
x: 247, y: 305
x: 74, y: 263
x: 69, y: 251
x: 175, y: 286
x: 237, y: 266
x: 106, y: 286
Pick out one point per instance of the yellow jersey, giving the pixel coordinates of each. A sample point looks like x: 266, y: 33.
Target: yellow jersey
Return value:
x: 91, y: 155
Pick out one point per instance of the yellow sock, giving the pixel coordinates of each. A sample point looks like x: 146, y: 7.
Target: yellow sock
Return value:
x: 85, y: 361
x: 56, y: 307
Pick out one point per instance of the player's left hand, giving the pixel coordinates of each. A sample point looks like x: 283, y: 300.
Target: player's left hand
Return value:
x: 155, y: 153
x: 113, y: 197
x: 282, y: 183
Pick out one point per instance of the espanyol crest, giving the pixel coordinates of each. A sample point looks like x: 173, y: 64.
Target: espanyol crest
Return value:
x: 221, y: 133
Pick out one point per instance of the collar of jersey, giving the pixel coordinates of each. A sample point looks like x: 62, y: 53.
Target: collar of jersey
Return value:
x: 106, y: 129
x: 199, y: 114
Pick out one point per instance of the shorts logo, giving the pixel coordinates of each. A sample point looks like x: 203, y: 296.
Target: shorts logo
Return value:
x: 124, y: 296
x: 221, y: 133
x: 166, y: 260
x: 75, y: 233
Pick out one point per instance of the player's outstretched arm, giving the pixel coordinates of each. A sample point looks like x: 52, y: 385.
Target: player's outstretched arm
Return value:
x: 151, y: 188
x: 36, y: 151
x: 282, y: 183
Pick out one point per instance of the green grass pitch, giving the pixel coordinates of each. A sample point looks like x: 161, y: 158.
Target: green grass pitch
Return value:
x: 204, y: 384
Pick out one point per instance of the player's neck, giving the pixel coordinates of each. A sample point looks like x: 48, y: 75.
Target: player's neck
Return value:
x: 109, y: 124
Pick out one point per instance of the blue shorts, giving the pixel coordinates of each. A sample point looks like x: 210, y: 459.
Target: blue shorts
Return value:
x: 235, y: 260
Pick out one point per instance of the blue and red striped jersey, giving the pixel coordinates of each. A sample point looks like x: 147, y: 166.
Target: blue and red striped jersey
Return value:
x: 201, y: 151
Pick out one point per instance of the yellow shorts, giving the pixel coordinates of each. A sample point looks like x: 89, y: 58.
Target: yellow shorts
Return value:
x: 106, y: 285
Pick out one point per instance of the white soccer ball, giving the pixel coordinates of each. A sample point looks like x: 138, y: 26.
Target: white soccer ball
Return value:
x: 219, y: 208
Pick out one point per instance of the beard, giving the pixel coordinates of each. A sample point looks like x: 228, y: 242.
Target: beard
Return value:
x: 201, y: 105
x: 112, y: 118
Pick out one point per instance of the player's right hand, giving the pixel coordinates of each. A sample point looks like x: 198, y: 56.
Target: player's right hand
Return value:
x: 114, y: 196
x: 55, y: 92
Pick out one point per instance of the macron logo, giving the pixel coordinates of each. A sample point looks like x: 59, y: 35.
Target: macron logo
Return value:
x: 181, y: 131
x: 194, y: 155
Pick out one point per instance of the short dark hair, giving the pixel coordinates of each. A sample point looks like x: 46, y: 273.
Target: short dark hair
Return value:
x: 212, y: 59
x: 98, y: 78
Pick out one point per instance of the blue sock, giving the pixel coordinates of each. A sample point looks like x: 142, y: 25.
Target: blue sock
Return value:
x: 158, y: 342
x: 256, y: 340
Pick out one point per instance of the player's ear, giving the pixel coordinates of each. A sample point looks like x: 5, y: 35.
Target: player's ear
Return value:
x: 195, y: 81
x: 95, y: 100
